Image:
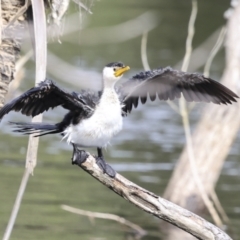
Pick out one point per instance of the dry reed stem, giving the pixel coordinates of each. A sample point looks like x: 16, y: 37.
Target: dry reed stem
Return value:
x: 31, y: 158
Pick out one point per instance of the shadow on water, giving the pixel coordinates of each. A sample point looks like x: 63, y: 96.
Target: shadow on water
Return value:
x: 145, y: 151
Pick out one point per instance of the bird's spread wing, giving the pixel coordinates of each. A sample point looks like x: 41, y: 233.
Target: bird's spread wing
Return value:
x: 46, y: 95
x: 168, y: 84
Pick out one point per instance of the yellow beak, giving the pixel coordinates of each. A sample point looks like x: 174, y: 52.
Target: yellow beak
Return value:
x: 121, y: 71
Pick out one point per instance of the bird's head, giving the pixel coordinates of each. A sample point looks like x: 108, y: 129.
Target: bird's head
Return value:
x: 112, y: 72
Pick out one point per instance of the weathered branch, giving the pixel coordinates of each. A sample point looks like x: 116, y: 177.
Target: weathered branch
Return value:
x: 155, y: 205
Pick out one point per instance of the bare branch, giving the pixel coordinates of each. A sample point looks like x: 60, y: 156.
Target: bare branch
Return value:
x: 214, y: 51
x: 144, y: 51
x: 206, y: 73
x: 185, y: 119
x: 155, y: 205
x: 218, y: 205
x: 81, y: 5
x: 16, y: 205
x: 147, y: 67
x: 76, y: 76
x: 218, y: 45
x: 135, y: 227
x: 191, y: 32
x: 200, y: 54
x: 130, y: 29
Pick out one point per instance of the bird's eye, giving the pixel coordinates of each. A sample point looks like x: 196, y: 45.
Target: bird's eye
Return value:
x: 114, y: 69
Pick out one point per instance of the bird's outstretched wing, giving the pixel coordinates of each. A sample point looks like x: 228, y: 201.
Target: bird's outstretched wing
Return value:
x: 46, y: 95
x: 168, y: 84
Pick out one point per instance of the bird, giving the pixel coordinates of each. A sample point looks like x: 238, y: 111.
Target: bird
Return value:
x: 94, y: 117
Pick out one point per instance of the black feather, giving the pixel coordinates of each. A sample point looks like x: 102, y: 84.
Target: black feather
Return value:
x: 168, y: 83
x: 48, y: 95
x: 143, y: 100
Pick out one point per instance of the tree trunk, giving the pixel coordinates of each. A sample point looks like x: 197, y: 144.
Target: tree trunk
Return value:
x: 213, y: 136
x: 10, y: 46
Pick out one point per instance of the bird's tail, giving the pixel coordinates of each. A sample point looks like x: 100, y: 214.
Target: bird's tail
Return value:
x: 38, y: 129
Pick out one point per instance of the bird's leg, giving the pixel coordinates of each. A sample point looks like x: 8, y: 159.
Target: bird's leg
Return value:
x: 79, y: 156
x: 103, y: 165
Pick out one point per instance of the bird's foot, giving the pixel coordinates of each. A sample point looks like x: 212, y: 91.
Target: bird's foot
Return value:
x: 79, y: 156
x: 106, y: 168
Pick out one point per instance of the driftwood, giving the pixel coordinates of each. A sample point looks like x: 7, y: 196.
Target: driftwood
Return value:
x: 155, y: 205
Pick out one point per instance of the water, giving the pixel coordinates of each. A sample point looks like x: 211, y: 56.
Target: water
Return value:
x: 144, y: 152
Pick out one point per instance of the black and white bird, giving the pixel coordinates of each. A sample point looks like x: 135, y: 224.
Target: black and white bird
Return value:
x: 95, y: 117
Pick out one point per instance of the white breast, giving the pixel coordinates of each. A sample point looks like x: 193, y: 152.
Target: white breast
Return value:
x: 97, y: 130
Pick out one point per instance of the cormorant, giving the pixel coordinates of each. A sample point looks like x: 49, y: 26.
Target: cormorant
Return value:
x: 95, y: 117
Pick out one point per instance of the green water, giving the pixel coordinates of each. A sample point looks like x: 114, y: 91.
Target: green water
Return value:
x: 145, y: 151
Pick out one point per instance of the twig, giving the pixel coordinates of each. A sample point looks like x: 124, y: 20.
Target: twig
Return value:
x: 206, y: 71
x: 144, y: 51
x: 200, y: 54
x: 185, y: 119
x: 109, y: 216
x: 218, y: 205
x: 214, y: 51
x: 129, y: 29
x: 31, y: 158
x: 16, y: 205
x: 20, y: 12
x: 147, y: 67
x: 78, y: 75
x: 190, y: 36
x: 23, y: 60
x: 18, y: 69
x: 174, y: 106
x: 155, y: 205
x: 81, y: 5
